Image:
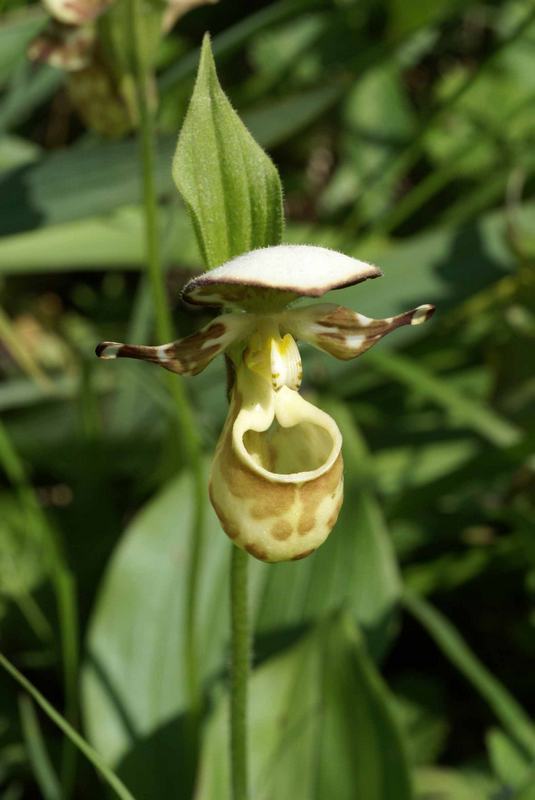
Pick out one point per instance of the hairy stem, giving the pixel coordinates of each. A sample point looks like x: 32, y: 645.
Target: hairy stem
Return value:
x: 239, y: 677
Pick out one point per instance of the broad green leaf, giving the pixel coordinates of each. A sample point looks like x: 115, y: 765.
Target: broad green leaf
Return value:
x: 463, y: 409
x: 511, y: 715
x: 16, y: 31
x: 134, y: 692
x: 29, y: 89
x: 229, y: 185
x: 16, y: 151
x: 45, y: 194
x: 94, y: 243
x: 134, y: 685
x: 354, y: 569
x: 320, y: 726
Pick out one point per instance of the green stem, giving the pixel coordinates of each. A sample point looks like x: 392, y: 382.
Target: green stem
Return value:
x: 240, y: 649
x: 189, y: 439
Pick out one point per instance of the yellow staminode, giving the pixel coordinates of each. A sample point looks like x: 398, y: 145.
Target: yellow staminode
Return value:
x: 273, y: 356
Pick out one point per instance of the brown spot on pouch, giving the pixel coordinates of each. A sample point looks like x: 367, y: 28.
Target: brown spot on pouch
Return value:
x: 281, y: 530
x: 314, y: 491
x: 256, y: 551
x: 307, y: 520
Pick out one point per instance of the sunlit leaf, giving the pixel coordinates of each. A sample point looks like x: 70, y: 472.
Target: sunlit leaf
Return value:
x: 135, y: 688
x: 230, y: 186
x: 321, y: 726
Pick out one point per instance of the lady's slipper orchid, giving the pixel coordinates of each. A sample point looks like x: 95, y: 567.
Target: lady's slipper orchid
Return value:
x: 277, y: 476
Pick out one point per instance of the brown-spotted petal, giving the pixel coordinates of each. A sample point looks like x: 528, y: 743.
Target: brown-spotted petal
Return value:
x: 277, y: 476
x: 345, y: 333
x: 271, y: 277
x: 187, y: 356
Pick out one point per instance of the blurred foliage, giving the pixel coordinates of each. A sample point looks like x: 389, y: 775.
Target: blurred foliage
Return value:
x: 385, y: 665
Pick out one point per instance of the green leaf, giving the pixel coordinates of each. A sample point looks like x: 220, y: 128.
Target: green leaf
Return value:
x: 462, y: 408
x: 134, y: 685
x: 321, y: 726
x: 229, y: 40
x: 508, y: 761
x: 107, y: 774
x: 16, y: 31
x: 134, y: 690
x: 42, y: 768
x: 16, y: 151
x: 23, y: 553
x: 44, y: 193
x: 229, y: 185
x: 29, y: 88
x: 448, y: 784
x: 508, y: 711
x: 111, y: 241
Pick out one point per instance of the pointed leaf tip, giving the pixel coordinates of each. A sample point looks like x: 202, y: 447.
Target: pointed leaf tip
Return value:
x: 229, y: 185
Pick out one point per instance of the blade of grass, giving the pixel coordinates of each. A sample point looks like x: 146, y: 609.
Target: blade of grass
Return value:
x: 107, y: 774
x: 233, y: 37
x: 64, y: 590
x: 34, y: 616
x: 507, y: 709
x: 473, y: 413
x: 407, y: 158
x: 188, y: 429
x: 42, y: 768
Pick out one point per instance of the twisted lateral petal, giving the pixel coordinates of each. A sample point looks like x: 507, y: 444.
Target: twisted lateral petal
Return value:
x: 190, y: 355
x: 277, y: 476
x: 344, y: 333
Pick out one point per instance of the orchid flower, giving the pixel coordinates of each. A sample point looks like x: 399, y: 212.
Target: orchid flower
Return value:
x: 276, y: 482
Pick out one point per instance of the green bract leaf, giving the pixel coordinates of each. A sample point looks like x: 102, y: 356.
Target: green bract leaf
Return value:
x: 230, y: 186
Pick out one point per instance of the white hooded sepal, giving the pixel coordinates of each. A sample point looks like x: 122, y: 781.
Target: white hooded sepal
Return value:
x: 277, y: 476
